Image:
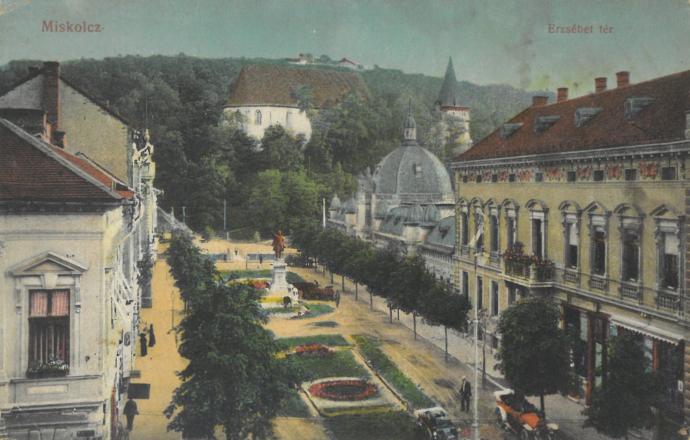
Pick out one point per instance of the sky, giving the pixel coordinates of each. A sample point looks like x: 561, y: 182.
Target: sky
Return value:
x: 491, y: 41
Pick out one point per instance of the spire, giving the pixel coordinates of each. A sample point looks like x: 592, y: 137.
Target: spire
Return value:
x: 410, y: 127
x: 447, y: 95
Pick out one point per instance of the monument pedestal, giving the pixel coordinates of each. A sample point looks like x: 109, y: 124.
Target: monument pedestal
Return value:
x: 279, y: 285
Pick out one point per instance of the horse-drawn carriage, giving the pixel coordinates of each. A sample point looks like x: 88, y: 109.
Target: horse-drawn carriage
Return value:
x: 312, y: 291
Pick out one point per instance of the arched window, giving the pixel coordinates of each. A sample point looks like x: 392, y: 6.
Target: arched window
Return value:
x: 257, y: 118
x: 598, y: 233
x: 668, y: 243
x: 630, y: 228
x: 538, y: 218
x: 571, y: 239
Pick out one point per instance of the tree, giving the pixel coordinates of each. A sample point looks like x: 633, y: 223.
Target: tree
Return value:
x: 443, y: 307
x: 223, y: 331
x: 302, y: 198
x: 279, y: 150
x: 534, y: 353
x: 628, y: 392
x: 267, y: 202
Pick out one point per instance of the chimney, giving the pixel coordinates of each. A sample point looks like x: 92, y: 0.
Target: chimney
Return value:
x: 622, y: 78
x: 600, y: 84
x: 51, y: 94
x: 539, y: 100
x: 59, y: 138
x: 562, y: 94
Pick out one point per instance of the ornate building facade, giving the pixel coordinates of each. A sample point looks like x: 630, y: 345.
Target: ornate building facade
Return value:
x: 72, y: 236
x: 406, y: 202
x: 584, y: 201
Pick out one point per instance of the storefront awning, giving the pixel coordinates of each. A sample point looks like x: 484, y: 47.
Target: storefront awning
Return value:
x: 648, y: 330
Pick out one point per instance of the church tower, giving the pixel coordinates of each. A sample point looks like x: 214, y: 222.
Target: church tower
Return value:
x: 410, y: 128
x: 455, y: 116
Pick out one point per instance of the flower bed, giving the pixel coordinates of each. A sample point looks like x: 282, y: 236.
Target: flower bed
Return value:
x: 313, y: 350
x: 344, y: 390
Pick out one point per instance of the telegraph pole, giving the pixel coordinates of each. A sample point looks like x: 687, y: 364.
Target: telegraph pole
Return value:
x: 475, y: 422
x: 225, y: 214
x: 323, y: 213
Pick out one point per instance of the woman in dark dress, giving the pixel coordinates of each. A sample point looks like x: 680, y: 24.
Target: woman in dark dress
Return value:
x: 152, y: 336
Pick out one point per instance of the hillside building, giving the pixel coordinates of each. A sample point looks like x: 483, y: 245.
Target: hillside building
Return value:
x: 584, y: 201
x: 263, y: 95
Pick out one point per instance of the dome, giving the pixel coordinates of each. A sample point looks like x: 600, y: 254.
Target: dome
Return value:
x: 415, y: 174
x: 381, y: 209
x: 431, y: 214
x: 335, y: 202
x: 415, y: 215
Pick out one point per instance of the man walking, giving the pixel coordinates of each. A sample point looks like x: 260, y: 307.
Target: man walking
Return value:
x: 130, y: 411
x: 465, y: 394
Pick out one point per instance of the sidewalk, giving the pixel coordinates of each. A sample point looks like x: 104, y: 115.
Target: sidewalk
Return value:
x: 560, y: 409
x: 158, y: 368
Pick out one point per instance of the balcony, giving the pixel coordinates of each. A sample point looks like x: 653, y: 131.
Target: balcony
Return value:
x: 668, y: 301
x: 631, y: 291
x: 598, y: 282
x: 571, y: 276
x: 534, y: 272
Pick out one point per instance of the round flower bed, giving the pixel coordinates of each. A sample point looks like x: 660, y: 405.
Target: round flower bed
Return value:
x: 343, y: 390
x: 313, y: 350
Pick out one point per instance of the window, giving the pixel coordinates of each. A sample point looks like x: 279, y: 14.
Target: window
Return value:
x: 631, y: 256
x: 494, y: 298
x: 599, y: 251
x: 494, y: 233
x: 571, y: 176
x: 417, y: 169
x: 464, y: 232
x: 571, y: 249
x: 668, y: 173
x: 539, y: 177
x: 257, y: 117
x: 48, y: 327
x: 466, y: 284
x: 512, y: 232
x: 480, y: 293
x: 494, y: 178
x: 288, y: 119
x: 630, y: 174
x: 479, y: 231
x: 598, y: 175
x: 538, y: 237
x: 668, y: 259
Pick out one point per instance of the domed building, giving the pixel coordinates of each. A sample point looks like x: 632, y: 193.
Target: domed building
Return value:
x: 402, y: 203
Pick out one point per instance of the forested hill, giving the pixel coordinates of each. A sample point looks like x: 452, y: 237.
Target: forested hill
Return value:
x: 180, y: 98
x: 172, y: 82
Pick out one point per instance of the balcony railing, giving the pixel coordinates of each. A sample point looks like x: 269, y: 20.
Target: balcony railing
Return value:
x: 598, y: 282
x: 571, y: 276
x: 528, y: 270
x: 631, y: 291
x: 669, y: 301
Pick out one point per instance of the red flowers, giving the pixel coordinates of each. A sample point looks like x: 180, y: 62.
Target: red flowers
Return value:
x: 313, y: 350
x: 343, y: 390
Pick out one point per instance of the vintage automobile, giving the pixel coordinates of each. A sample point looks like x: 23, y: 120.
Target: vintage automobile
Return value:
x: 434, y: 424
x: 521, y: 417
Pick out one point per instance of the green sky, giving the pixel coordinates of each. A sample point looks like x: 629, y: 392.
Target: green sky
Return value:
x: 490, y: 41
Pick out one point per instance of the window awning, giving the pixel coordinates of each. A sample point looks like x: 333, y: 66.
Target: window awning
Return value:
x: 648, y: 330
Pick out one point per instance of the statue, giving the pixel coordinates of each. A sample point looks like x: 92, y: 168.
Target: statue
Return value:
x: 278, y: 244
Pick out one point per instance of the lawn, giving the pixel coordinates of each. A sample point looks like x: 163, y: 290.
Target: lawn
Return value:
x: 386, y: 368
x: 291, y: 277
x: 379, y: 426
x: 330, y: 340
x: 339, y: 364
x: 293, y: 406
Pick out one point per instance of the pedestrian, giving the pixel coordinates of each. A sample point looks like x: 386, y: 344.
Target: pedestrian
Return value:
x: 142, y: 343
x: 465, y: 394
x: 236, y: 251
x: 130, y: 411
x: 337, y: 299
x: 261, y: 259
x: 152, y: 336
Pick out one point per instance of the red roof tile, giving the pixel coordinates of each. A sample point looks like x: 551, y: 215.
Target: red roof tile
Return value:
x: 662, y: 120
x: 32, y: 170
x: 276, y: 85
